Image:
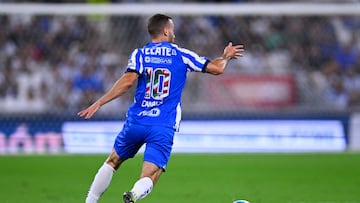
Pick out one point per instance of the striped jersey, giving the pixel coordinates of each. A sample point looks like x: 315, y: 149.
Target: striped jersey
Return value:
x: 162, y: 69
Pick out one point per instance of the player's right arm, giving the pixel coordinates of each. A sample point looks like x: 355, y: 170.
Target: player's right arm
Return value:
x: 218, y: 65
x: 132, y: 73
x: 118, y: 89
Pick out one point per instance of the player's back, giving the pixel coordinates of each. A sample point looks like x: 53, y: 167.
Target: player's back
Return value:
x: 162, y: 69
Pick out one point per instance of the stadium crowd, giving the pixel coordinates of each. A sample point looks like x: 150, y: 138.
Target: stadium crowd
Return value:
x: 62, y: 64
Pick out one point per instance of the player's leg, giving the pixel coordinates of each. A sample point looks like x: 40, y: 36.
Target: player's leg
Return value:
x: 156, y: 157
x: 150, y: 174
x: 103, y: 177
x: 151, y: 171
x: 126, y: 145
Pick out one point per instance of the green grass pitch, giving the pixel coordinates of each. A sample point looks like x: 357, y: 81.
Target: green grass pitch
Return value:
x: 201, y: 178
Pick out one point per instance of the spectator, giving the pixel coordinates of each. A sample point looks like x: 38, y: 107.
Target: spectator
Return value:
x: 57, y: 56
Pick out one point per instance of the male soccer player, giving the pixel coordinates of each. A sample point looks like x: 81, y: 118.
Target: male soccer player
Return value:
x: 160, y: 68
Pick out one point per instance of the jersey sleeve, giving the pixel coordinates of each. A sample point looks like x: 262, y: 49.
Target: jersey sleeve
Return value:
x: 194, y: 62
x: 135, y: 62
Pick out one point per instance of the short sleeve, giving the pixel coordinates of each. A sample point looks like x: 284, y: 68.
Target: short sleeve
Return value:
x: 135, y: 62
x: 194, y: 62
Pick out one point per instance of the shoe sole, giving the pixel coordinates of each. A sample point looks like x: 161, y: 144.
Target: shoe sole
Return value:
x: 127, y: 197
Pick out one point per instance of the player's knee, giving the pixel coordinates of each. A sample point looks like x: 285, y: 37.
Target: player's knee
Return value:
x: 113, y: 163
x: 154, y: 175
x: 114, y: 160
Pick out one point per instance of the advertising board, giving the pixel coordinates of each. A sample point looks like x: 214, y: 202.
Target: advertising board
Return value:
x: 219, y: 136
x: 252, y: 90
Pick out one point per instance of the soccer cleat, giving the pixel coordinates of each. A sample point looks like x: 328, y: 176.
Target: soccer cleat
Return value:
x: 128, y: 197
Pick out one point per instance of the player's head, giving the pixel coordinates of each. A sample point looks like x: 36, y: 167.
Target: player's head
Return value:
x: 161, y: 26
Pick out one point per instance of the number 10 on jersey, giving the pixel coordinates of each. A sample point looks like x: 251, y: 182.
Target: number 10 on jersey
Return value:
x: 157, y: 83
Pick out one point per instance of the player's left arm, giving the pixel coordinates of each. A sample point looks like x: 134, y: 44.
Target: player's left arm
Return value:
x: 218, y: 65
x: 118, y: 89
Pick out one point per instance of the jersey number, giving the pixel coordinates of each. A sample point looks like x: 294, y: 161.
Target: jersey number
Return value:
x: 157, y: 83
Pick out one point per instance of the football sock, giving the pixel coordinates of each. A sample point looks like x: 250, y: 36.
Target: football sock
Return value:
x: 142, y: 188
x: 100, y: 184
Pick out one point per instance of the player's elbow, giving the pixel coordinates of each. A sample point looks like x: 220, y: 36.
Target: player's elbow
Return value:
x: 217, y: 71
x: 215, y: 68
x: 220, y: 71
x: 127, y: 84
x: 128, y: 80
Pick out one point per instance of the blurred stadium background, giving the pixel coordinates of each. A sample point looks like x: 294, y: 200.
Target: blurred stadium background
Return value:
x: 297, y: 89
x: 302, y: 62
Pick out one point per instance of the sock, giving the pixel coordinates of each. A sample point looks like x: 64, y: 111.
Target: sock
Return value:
x: 100, y: 183
x: 142, y: 188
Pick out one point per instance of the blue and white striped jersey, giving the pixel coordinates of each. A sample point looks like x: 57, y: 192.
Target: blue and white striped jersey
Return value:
x: 162, y: 69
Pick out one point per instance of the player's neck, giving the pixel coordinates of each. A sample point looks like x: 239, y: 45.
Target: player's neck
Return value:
x: 159, y: 39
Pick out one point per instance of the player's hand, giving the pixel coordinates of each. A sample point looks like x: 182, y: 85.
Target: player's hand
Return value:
x: 233, y: 52
x: 90, y: 111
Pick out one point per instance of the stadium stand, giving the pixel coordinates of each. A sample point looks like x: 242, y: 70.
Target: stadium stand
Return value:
x: 52, y: 63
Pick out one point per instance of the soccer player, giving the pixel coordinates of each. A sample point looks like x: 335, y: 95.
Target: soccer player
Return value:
x: 160, y: 69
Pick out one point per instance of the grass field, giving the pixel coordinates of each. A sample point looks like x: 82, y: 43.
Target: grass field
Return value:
x: 205, y: 178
